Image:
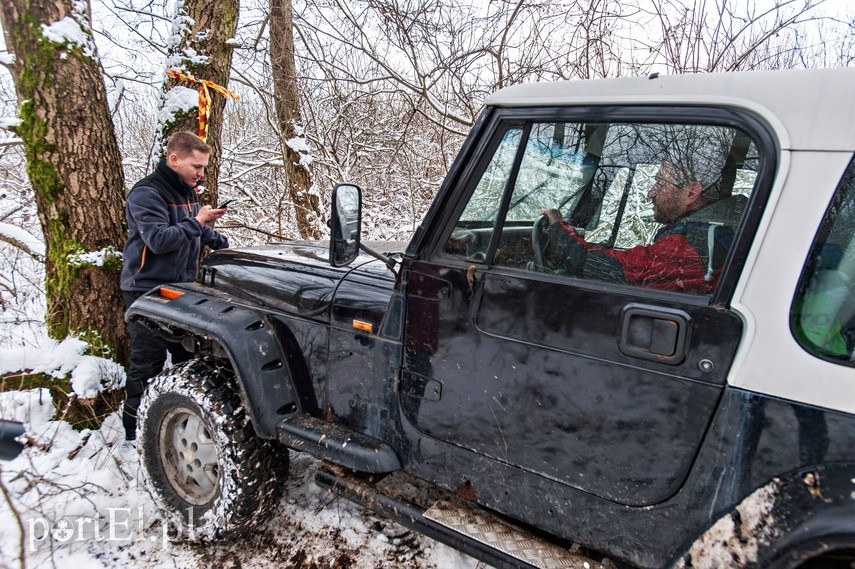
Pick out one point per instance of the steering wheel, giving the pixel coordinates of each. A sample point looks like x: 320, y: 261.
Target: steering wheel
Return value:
x: 539, y: 243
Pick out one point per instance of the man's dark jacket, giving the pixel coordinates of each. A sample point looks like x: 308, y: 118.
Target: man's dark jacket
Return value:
x: 164, y: 237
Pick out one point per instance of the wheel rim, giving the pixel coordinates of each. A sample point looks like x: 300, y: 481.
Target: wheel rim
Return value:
x: 189, y: 456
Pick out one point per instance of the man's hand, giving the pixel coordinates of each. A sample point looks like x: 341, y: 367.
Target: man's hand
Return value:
x: 208, y: 214
x: 553, y: 215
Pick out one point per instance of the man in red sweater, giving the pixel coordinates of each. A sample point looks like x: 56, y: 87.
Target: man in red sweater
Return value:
x: 686, y: 254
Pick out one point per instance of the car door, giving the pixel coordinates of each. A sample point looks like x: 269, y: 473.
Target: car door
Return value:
x: 603, y: 382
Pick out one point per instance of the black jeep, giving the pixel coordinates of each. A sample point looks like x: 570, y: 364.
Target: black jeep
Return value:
x: 610, y: 384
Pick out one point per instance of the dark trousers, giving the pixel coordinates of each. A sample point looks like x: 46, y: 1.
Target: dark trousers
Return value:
x: 148, y: 354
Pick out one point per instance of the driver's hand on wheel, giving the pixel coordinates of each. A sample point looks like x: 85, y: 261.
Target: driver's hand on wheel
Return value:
x: 553, y: 215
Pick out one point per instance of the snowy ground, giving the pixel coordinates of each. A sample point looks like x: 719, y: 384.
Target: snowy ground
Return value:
x: 77, y: 499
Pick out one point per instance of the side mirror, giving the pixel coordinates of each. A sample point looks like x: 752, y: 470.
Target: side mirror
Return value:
x: 346, y: 224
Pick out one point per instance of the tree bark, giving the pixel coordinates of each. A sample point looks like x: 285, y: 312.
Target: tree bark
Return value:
x: 213, y: 23
x: 74, y: 167
x: 287, y: 100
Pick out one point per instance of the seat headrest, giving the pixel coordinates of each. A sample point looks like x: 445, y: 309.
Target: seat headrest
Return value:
x: 726, y: 211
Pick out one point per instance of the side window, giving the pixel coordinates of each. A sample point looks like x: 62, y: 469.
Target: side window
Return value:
x: 642, y: 204
x: 473, y: 231
x: 822, y: 316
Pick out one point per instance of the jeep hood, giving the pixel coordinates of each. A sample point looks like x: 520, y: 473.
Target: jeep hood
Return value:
x: 292, y: 277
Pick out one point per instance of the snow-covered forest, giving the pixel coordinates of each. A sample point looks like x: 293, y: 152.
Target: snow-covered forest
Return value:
x: 385, y: 92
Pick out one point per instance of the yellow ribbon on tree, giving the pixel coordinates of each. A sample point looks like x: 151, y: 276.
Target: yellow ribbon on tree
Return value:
x: 204, y: 96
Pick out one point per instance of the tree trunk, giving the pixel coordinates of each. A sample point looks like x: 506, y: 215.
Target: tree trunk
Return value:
x: 74, y: 167
x: 287, y: 100
x: 202, y: 51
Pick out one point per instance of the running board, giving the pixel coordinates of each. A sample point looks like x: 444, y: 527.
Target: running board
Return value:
x: 460, y: 525
x: 337, y: 444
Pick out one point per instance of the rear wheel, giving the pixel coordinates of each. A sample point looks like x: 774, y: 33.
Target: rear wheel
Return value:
x: 201, y: 460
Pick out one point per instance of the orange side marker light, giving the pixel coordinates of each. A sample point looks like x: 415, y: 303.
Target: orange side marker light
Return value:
x: 170, y: 293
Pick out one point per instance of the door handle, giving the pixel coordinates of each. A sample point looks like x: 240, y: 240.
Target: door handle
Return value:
x: 653, y: 333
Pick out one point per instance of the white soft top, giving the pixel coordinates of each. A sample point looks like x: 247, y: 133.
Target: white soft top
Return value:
x: 807, y: 109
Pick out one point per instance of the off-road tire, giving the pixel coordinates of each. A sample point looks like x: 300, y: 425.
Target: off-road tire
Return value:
x: 200, y: 458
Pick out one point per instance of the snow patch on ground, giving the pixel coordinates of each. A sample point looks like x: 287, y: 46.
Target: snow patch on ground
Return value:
x: 93, y: 375
x: 33, y: 406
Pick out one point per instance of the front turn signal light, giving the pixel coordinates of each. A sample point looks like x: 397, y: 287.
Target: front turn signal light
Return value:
x: 170, y: 293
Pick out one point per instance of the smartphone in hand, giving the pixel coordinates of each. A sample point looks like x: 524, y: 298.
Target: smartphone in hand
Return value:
x: 226, y: 204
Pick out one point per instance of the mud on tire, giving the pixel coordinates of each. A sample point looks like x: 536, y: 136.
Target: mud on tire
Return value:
x: 208, y: 472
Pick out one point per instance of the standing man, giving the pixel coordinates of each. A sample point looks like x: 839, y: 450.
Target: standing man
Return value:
x: 166, y: 229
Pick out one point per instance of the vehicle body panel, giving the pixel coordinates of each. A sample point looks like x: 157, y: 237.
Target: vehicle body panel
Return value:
x: 294, y: 278
x: 771, y: 361
x: 540, y: 384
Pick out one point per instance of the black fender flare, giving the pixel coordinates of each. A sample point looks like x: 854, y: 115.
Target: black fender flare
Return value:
x: 827, y: 527
x: 795, y: 517
x: 246, y: 337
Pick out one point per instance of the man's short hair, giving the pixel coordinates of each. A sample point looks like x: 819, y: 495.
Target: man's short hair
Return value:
x: 184, y: 143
